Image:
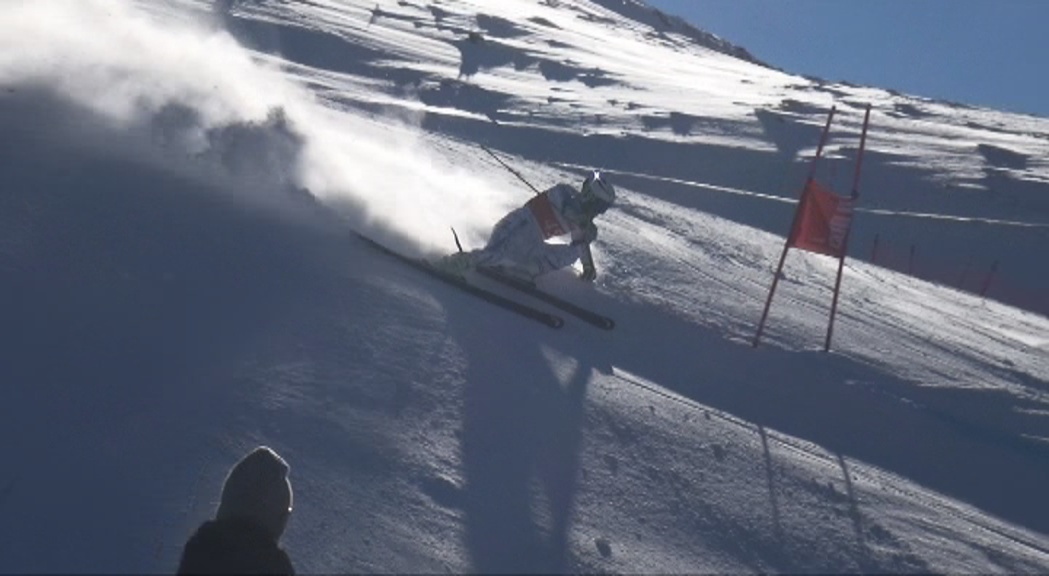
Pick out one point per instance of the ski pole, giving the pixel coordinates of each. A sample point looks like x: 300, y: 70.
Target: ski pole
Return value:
x: 512, y: 171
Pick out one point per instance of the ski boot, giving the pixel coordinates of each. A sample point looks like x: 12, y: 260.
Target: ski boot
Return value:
x: 457, y: 264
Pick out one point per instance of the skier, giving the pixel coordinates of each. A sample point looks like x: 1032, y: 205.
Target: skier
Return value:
x: 517, y: 246
x: 251, y: 517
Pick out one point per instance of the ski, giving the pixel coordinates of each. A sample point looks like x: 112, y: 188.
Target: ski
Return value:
x: 588, y: 316
x: 551, y: 320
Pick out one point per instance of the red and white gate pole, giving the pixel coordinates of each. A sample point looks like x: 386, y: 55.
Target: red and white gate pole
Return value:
x: 845, y: 242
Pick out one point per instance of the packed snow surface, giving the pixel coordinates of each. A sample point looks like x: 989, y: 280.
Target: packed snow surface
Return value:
x: 181, y: 282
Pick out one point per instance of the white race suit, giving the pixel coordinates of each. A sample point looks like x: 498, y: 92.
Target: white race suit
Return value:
x: 519, y: 239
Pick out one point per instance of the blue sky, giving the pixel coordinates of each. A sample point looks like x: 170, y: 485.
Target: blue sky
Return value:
x: 992, y: 53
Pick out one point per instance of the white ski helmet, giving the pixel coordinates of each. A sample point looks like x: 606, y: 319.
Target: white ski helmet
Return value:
x: 598, y: 193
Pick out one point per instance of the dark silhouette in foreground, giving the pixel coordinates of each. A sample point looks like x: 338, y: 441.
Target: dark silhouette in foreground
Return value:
x: 251, y: 517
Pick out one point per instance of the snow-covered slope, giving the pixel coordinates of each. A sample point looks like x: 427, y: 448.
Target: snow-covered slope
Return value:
x: 179, y: 283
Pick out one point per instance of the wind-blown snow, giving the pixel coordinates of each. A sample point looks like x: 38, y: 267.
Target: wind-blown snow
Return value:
x: 179, y: 284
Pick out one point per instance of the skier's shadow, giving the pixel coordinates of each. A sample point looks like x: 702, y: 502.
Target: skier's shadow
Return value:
x: 522, y: 431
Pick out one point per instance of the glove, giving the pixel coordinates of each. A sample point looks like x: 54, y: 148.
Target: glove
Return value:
x: 589, y: 273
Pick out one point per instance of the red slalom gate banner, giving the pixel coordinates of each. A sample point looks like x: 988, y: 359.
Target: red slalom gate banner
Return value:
x: 821, y: 224
x: 823, y: 221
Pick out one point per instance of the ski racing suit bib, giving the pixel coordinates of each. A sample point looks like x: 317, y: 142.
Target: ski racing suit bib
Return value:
x: 519, y: 238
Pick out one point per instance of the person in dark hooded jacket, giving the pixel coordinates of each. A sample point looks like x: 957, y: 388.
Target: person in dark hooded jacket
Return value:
x: 251, y: 517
